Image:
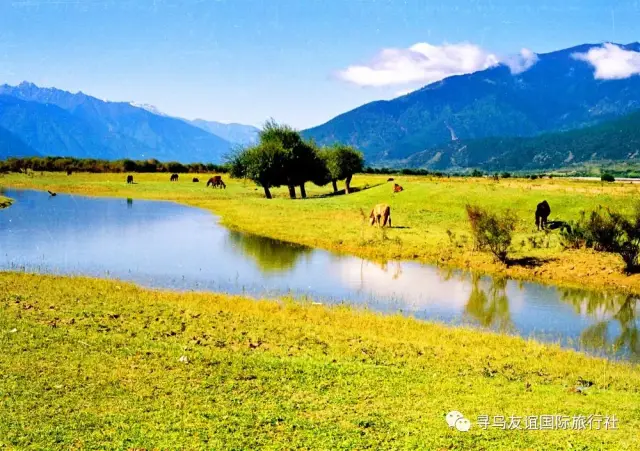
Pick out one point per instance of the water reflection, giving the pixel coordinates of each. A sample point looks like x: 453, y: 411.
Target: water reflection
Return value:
x: 165, y: 245
x: 270, y: 255
x: 490, y: 306
x: 616, y: 326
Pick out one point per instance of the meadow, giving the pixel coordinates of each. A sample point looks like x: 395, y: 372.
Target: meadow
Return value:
x: 429, y: 219
x: 94, y: 364
x: 4, y: 202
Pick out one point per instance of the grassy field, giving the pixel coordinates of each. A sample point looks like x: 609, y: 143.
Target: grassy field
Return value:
x: 94, y: 364
x: 422, y: 216
x: 4, y: 202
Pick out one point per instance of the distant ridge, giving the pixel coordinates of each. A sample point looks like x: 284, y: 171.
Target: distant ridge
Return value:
x: 559, y: 92
x: 12, y: 146
x: 616, y: 140
x: 56, y: 122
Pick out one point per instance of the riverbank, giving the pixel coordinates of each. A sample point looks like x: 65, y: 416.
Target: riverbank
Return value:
x: 429, y: 219
x: 90, y: 363
x: 5, y: 202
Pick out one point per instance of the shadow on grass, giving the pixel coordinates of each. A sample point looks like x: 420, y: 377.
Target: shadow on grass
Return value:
x: 528, y: 262
x: 554, y: 225
x: 631, y: 271
x: 354, y: 190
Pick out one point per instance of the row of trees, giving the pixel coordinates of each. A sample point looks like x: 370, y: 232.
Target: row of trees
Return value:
x: 282, y: 157
x: 63, y: 164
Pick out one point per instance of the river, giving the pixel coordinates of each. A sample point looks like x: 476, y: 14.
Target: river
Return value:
x: 170, y: 246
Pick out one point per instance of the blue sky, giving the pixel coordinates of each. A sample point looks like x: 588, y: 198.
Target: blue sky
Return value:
x: 299, y: 61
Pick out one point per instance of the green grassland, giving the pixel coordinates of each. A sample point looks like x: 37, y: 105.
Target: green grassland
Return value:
x: 94, y: 364
x: 4, y: 202
x: 429, y: 218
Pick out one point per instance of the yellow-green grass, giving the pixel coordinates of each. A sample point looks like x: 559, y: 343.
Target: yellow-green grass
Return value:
x: 422, y: 214
x: 4, y: 202
x: 96, y: 364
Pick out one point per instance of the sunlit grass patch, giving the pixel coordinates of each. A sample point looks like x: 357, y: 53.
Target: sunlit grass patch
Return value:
x: 4, y: 202
x: 426, y: 215
x: 89, y: 363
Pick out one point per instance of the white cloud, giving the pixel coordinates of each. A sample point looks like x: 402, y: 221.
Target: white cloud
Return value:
x: 403, y: 92
x: 422, y: 62
x: 611, y: 62
x: 521, y: 62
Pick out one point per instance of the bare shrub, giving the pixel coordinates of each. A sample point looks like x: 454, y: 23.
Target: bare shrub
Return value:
x: 491, y: 231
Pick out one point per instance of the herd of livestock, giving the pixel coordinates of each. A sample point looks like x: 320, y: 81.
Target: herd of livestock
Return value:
x: 380, y: 214
x: 215, y: 181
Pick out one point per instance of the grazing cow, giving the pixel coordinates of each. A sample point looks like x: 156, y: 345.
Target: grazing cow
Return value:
x: 542, y: 213
x: 174, y: 178
x: 195, y: 180
x: 68, y: 171
x: 216, y: 182
x: 390, y: 179
x: 397, y: 188
x: 129, y: 179
x: 381, y: 214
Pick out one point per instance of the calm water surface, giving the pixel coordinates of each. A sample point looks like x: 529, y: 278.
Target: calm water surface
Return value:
x: 166, y: 245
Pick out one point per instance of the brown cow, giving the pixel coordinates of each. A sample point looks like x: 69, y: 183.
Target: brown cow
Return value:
x: 397, y: 188
x: 195, y: 180
x: 216, y: 182
x: 129, y: 179
x: 381, y: 213
x: 174, y: 178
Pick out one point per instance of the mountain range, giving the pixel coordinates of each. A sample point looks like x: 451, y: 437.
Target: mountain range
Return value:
x: 49, y: 121
x: 554, y: 112
x: 559, y: 92
x: 234, y: 133
x: 616, y: 140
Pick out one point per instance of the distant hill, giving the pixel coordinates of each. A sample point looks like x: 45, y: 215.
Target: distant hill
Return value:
x: 56, y: 122
x: 617, y: 140
x: 558, y: 93
x: 50, y: 130
x: 12, y: 146
x: 234, y: 133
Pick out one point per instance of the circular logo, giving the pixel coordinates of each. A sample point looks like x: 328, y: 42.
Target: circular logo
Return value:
x: 463, y: 425
x: 457, y: 420
x: 452, y: 417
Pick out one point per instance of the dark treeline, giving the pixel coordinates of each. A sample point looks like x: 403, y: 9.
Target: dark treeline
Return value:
x: 309, y: 163
x: 406, y: 171
x: 63, y: 164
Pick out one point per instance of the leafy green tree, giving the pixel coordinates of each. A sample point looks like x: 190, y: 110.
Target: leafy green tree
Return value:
x: 263, y: 163
x: 342, y: 163
x: 303, y: 163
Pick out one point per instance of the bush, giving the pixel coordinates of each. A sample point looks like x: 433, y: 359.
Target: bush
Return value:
x: 491, y: 231
x: 533, y: 177
x: 575, y: 235
x: 505, y: 175
x: 476, y: 173
x: 607, y: 178
x: 607, y: 231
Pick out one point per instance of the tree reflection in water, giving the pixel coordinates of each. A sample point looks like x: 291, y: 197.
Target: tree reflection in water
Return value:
x: 270, y: 255
x: 612, y: 311
x: 489, y: 307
